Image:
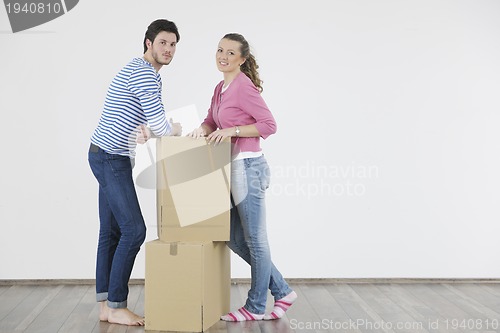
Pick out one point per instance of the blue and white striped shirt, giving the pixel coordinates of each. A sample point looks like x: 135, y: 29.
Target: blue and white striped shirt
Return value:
x: 133, y: 99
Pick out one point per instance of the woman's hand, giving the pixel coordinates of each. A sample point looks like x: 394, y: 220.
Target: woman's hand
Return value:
x: 219, y: 135
x: 197, y: 133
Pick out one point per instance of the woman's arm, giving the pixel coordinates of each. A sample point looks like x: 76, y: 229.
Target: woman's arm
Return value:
x: 251, y: 102
x: 208, y: 125
x: 246, y: 131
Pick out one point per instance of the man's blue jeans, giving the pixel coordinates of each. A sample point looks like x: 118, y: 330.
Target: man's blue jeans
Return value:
x: 122, y: 228
x: 249, y: 181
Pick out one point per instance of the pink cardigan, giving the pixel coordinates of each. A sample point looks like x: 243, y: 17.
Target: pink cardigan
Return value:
x: 241, y: 104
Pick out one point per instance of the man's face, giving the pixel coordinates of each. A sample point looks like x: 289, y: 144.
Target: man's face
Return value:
x: 163, y: 47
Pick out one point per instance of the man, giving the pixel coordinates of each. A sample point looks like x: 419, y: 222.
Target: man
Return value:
x: 133, y: 100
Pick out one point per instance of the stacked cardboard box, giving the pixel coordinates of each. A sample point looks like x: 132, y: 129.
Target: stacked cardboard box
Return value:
x: 188, y: 266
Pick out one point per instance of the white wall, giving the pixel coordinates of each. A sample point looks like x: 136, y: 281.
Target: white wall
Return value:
x: 386, y: 159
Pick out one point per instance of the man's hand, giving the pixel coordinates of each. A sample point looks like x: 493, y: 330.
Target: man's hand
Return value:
x: 143, y: 134
x: 176, y: 128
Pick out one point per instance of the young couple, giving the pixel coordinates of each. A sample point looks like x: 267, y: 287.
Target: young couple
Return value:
x: 238, y: 111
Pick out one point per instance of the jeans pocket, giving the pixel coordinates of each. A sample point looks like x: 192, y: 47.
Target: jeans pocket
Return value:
x: 265, y: 178
x: 96, y: 166
x: 263, y: 173
x: 119, y: 164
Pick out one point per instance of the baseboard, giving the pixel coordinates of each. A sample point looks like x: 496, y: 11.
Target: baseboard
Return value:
x: 48, y: 282
x: 377, y: 280
x: 51, y: 282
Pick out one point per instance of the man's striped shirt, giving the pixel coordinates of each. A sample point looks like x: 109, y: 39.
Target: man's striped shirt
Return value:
x: 133, y: 99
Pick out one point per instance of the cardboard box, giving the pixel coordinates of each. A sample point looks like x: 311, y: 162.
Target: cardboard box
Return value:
x: 187, y: 285
x: 193, y: 189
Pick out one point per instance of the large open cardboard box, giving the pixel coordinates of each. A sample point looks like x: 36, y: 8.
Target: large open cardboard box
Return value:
x: 193, y: 189
x: 187, y: 285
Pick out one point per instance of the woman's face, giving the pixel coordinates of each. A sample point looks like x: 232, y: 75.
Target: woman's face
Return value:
x: 228, y: 56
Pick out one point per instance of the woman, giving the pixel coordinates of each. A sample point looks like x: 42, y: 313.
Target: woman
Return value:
x: 239, y: 111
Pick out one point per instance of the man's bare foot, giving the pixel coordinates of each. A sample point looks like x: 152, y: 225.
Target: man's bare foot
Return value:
x: 125, y: 317
x: 103, y: 314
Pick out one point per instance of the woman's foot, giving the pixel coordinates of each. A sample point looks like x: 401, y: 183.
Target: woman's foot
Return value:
x: 119, y: 316
x: 281, y: 305
x: 242, y: 314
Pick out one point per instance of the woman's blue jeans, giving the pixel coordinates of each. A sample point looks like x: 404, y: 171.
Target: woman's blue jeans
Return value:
x: 249, y: 181
x: 122, y: 228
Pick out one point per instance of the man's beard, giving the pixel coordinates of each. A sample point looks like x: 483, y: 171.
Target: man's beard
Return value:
x: 160, y: 60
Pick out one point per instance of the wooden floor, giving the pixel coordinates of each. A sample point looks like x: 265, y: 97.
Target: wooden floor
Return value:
x: 332, y: 307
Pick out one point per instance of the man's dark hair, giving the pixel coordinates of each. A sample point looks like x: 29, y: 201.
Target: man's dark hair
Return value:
x: 158, y: 26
